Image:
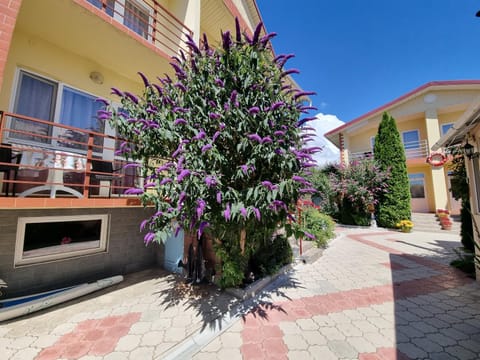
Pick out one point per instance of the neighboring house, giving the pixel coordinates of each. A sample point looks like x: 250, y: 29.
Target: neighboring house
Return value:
x: 422, y: 116
x: 68, y: 220
x: 466, y: 133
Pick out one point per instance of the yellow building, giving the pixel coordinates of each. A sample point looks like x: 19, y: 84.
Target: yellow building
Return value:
x: 422, y: 116
x: 56, y: 159
x: 466, y: 134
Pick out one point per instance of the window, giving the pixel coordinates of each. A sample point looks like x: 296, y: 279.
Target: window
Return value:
x: 129, y: 13
x: 411, y: 139
x: 445, y: 128
x: 411, y: 143
x: 49, y: 238
x: 136, y: 18
x: 417, y: 185
x: 42, y: 99
x: 372, y: 142
x: 79, y: 110
x: 35, y: 97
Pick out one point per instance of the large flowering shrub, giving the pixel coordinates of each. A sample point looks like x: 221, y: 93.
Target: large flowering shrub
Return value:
x: 221, y: 144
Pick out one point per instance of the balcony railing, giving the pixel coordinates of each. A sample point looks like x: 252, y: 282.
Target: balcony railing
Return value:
x: 150, y: 20
x: 48, y: 159
x: 413, y: 150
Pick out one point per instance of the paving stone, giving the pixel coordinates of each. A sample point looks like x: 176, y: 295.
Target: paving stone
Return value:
x: 231, y: 340
x: 441, y: 356
x: 22, y: 342
x: 360, y: 344
x: 295, y: 342
x: 364, y: 326
x: 442, y: 339
x: 460, y: 352
x: 342, y: 349
x: 174, y: 335
x: 118, y: 356
x: 314, y: 338
x: 27, y: 353
x: 153, y: 338
x: 453, y: 333
x: 143, y: 352
x: 472, y: 344
x: 230, y: 354
x: 140, y: 328
x: 332, y: 333
x: 319, y: 353
x: 340, y: 318
x: 467, y: 329
x: 407, y: 315
x: 423, y: 327
x: 213, y: 346
x: 378, y: 339
x: 323, y: 320
x: 299, y: 355
x: 307, y: 324
x: 354, y: 315
x: 128, y: 343
x: 412, y: 351
x: 427, y: 345
x: 289, y: 327
x: 349, y: 329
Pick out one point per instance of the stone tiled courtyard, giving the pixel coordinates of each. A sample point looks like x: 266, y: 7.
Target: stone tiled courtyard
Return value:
x: 373, y: 294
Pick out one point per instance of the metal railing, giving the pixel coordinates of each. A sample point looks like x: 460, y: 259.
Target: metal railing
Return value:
x: 57, y: 160
x: 150, y: 20
x: 413, y: 150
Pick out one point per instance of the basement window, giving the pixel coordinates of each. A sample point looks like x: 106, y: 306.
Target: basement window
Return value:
x: 50, y: 238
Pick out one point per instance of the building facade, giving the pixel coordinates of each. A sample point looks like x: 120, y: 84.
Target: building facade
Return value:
x: 64, y: 217
x: 422, y: 117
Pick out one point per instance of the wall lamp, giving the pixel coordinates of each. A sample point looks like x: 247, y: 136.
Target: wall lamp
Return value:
x: 469, y: 150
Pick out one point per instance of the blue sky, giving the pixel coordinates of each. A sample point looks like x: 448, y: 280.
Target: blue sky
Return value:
x: 358, y: 55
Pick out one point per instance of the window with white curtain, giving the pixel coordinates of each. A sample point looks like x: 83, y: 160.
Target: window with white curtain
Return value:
x: 44, y: 99
x: 130, y: 13
x: 35, y: 98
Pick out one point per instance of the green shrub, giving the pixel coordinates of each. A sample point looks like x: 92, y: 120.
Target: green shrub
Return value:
x: 394, y: 205
x: 270, y: 256
x: 321, y: 226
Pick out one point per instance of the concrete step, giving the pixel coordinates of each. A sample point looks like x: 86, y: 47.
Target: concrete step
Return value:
x: 430, y: 222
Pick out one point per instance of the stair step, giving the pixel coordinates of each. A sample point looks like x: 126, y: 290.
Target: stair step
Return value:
x: 430, y: 222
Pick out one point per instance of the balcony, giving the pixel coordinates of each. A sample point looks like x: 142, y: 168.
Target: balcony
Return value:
x: 150, y: 20
x: 123, y: 36
x: 55, y: 165
x: 413, y: 151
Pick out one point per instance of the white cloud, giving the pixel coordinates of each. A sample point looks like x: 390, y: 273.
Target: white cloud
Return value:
x: 322, y: 124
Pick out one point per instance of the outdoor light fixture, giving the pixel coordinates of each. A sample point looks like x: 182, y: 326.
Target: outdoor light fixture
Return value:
x: 468, y: 150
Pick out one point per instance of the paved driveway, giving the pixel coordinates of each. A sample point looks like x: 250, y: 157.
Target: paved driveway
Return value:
x: 373, y: 294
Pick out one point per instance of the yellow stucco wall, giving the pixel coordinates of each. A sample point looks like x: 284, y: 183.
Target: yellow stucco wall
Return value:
x: 43, y: 58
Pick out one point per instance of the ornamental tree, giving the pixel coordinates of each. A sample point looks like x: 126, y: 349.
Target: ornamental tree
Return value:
x: 221, y: 146
x: 394, y: 205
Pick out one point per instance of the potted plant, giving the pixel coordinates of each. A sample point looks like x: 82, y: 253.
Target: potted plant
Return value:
x: 446, y: 223
x: 405, y: 225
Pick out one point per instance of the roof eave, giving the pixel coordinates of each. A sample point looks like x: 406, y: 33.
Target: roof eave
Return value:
x: 456, y: 134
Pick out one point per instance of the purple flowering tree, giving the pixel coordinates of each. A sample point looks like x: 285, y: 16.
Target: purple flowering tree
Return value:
x: 223, y: 146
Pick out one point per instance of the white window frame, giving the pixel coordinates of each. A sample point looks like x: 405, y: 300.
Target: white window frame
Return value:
x: 442, y: 131
x: 107, y: 154
x: 119, y: 15
x: 416, y: 177
x: 60, y: 252
x: 411, y: 131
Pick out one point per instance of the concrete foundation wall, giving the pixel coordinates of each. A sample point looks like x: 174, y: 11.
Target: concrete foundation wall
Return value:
x: 126, y: 252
